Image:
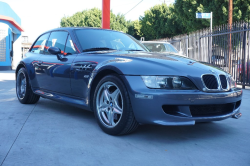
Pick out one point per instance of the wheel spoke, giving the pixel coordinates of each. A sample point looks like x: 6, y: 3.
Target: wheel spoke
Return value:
x: 115, y: 94
x: 117, y: 110
x: 106, y: 94
x: 104, y: 117
x: 102, y: 100
x: 103, y: 107
x: 111, y: 118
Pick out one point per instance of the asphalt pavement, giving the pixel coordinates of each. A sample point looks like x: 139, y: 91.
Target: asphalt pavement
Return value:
x: 53, y: 134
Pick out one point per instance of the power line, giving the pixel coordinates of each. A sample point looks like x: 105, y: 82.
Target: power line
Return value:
x: 133, y: 7
x: 123, y: 4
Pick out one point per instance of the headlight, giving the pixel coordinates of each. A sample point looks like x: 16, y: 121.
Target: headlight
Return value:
x: 232, y: 82
x: 168, y: 82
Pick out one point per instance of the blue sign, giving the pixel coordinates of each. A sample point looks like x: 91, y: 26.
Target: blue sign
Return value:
x: 203, y: 15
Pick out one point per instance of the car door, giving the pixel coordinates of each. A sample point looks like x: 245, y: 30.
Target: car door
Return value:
x: 54, y: 73
x: 36, y: 51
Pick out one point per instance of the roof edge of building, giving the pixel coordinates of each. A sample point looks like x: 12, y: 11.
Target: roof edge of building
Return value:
x: 12, y: 21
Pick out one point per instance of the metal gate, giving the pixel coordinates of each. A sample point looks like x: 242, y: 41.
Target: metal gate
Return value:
x: 229, y: 50
x: 227, y: 47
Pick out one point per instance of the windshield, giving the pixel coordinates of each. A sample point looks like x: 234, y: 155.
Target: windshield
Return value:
x: 96, y: 39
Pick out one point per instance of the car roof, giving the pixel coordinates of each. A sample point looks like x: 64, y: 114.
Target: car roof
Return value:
x: 155, y: 42
x: 77, y: 28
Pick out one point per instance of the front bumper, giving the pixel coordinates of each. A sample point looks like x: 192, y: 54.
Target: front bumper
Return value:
x: 148, y: 104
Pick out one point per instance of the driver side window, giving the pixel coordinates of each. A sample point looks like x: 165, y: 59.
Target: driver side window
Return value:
x: 57, y: 39
x: 39, y: 46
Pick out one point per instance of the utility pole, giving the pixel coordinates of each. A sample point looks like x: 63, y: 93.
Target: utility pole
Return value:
x: 230, y: 22
x: 106, y: 14
x: 230, y: 12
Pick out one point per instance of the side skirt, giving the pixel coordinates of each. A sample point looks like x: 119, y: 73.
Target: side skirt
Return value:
x: 77, y: 102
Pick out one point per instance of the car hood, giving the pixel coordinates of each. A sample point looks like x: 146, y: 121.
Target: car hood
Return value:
x: 149, y: 63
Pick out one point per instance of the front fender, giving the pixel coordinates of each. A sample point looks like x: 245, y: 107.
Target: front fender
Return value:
x: 29, y: 66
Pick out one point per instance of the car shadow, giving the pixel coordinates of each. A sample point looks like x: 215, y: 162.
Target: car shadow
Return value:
x: 154, y: 132
x: 197, y: 131
x: 64, y: 109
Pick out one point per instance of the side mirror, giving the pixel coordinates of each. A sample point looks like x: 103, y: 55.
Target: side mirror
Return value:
x: 54, y: 50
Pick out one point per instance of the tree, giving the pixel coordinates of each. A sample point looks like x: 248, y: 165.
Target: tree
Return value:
x: 118, y: 22
x: 88, y: 18
x: 93, y: 18
x: 160, y: 22
x: 186, y: 9
x: 134, y: 29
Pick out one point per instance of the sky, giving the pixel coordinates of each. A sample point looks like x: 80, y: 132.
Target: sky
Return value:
x: 38, y: 16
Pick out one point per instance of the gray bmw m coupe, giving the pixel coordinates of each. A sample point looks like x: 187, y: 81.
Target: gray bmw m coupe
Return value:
x: 125, y: 85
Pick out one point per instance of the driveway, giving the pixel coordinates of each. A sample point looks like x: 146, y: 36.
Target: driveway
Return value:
x: 54, y: 134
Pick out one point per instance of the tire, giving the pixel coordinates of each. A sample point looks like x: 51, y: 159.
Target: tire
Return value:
x: 23, y: 88
x: 112, y: 107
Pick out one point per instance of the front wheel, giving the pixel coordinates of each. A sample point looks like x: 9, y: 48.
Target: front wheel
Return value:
x: 112, y: 107
x: 23, y: 88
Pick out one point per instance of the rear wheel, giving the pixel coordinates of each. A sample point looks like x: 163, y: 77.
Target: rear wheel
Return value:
x: 23, y: 88
x: 112, y: 107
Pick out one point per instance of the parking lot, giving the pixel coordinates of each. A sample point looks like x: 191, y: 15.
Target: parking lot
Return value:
x: 51, y: 133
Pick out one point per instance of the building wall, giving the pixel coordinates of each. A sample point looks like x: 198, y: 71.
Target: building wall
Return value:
x: 17, y: 56
x: 10, y: 32
x: 9, y: 55
x: 5, y: 46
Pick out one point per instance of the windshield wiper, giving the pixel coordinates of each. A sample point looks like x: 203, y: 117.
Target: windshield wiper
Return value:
x: 97, y: 49
x: 135, y: 50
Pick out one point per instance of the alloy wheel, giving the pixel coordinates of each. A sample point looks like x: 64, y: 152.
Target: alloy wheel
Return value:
x: 109, y: 104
